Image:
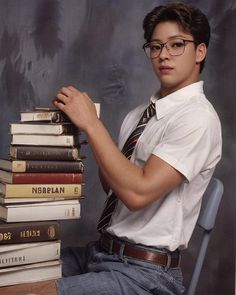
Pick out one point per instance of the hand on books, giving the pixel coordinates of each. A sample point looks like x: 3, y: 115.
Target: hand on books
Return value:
x: 77, y: 106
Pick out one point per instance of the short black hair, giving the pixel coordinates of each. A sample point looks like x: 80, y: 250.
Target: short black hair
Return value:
x: 191, y: 19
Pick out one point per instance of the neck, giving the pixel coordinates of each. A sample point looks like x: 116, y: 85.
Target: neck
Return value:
x: 164, y: 91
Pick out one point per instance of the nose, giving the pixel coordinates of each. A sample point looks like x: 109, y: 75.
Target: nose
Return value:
x: 164, y: 52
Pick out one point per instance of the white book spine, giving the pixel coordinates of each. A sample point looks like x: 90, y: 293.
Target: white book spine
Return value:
x: 30, y: 273
x: 36, y: 129
x: 26, y: 253
x: 60, y: 210
x: 47, y: 140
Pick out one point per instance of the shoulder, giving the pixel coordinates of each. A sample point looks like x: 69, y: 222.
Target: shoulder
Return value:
x: 198, y: 112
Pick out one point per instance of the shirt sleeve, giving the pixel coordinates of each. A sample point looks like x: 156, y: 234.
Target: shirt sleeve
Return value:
x: 191, y: 144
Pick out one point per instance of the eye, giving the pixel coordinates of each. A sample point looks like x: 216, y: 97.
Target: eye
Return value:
x: 155, y: 47
x: 177, y: 44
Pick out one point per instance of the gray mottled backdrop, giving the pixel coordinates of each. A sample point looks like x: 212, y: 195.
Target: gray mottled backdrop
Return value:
x: 96, y: 45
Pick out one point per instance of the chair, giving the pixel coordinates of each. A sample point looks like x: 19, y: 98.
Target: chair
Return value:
x: 206, y: 221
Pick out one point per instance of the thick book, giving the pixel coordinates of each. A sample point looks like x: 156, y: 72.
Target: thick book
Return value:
x: 44, y: 140
x: 41, y: 166
x: 40, y: 190
x: 25, y: 232
x: 43, y: 128
x: 46, y: 153
x: 30, y: 273
x: 40, y: 178
x: 56, y: 210
x: 49, y: 115
x: 26, y: 253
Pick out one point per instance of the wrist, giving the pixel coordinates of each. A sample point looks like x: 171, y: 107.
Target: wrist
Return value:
x: 93, y: 128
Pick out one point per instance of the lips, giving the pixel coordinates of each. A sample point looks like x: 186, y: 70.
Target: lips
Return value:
x: 165, y: 69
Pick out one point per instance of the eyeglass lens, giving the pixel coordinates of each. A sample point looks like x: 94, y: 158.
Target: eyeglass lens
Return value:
x: 173, y: 46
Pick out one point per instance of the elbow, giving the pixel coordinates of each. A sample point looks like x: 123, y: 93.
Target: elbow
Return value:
x: 136, y: 202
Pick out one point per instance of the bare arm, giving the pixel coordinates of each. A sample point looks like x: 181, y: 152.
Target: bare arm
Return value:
x: 104, y: 183
x: 136, y: 187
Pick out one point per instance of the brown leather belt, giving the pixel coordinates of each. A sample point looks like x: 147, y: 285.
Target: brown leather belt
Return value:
x: 163, y: 257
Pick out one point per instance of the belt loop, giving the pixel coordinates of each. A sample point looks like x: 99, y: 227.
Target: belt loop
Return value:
x: 179, y: 260
x: 168, y: 261
x: 110, y: 251
x: 121, y: 252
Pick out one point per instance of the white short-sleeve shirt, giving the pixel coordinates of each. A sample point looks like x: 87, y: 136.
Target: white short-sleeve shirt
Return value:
x: 185, y: 133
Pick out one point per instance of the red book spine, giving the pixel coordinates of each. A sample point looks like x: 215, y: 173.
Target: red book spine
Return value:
x: 46, y: 178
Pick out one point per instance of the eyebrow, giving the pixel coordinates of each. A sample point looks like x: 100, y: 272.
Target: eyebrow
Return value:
x: 172, y: 37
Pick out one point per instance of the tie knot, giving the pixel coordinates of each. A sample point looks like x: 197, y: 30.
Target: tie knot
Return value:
x: 149, y: 112
x: 151, y: 109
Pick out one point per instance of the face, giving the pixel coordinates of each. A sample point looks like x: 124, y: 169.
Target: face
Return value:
x: 176, y: 72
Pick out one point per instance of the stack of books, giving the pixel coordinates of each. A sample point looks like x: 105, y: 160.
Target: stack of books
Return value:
x: 29, y: 252
x: 40, y: 184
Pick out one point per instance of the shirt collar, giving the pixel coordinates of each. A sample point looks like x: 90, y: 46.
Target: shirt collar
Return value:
x: 175, y: 99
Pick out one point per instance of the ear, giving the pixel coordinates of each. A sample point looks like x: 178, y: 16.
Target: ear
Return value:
x: 201, y: 51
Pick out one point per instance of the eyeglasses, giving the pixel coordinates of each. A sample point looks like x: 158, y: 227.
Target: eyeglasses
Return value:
x: 174, y: 47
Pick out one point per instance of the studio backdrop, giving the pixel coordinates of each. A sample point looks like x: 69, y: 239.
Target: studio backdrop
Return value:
x: 96, y: 45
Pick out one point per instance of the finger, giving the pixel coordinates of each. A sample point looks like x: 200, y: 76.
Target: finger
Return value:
x: 62, y: 98
x: 65, y: 90
x: 73, y: 88
x: 58, y: 104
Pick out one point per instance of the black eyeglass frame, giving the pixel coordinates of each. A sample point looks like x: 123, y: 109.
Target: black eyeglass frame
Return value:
x: 146, y: 45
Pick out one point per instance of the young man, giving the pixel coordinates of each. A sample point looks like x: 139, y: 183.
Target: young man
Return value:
x: 156, y: 182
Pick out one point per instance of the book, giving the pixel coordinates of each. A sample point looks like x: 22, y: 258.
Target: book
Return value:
x: 25, y: 232
x: 40, y: 178
x: 44, y: 115
x: 44, y: 140
x: 39, y: 190
x: 49, y: 115
x: 26, y: 253
x: 41, y: 166
x: 21, y: 200
x: 34, y: 272
x: 43, y: 128
x: 46, y: 153
x: 56, y: 210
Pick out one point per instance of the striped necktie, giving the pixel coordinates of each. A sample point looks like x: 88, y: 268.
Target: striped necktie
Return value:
x: 127, y: 150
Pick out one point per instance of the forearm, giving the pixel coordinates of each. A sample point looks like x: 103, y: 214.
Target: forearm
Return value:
x: 123, y: 177
x: 103, y: 181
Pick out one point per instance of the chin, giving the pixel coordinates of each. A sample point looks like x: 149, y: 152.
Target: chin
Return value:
x: 168, y: 85
x: 168, y: 88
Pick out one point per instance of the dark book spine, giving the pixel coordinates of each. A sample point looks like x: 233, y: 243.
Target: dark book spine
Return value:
x: 44, y: 153
x: 47, y: 178
x: 54, y: 166
x: 11, y: 233
x: 59, y: 117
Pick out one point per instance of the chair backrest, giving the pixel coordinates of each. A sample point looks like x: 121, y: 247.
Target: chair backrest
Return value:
x: 206, y: 220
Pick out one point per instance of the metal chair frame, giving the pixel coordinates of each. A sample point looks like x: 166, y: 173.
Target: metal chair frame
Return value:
x: 206, y: 222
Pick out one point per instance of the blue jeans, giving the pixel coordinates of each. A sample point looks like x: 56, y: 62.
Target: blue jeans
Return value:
x: 93, y: 272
